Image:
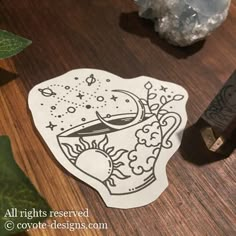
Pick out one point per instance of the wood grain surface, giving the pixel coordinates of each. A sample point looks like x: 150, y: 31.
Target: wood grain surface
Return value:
x: 109, y: 35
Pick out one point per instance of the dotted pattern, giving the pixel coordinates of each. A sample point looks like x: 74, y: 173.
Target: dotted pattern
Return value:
x: 74, y: 98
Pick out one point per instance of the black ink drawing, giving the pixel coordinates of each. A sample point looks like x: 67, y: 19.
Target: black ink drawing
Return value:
x: 150, y: 139
x: 107, y: 158
x: 47, y: 92
x: 51, y: 126
x: 90, y: 80
x: 110, y: 132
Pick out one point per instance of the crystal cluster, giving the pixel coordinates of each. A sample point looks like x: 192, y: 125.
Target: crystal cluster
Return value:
x: 184, y: 22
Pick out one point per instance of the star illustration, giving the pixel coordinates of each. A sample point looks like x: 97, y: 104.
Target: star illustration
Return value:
x: 51, y: 126
x: 114, y: 98
x: 163, y: 88
x: 80, y: 96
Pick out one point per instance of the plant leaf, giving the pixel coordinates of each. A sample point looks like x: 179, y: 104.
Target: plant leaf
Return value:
x: 163, y: 100
x: 154, y: 107
x: 16, y: 192
x: 11, y: 44
x: 178, y: 97
x: 152, y: 96
x: 162, y: 112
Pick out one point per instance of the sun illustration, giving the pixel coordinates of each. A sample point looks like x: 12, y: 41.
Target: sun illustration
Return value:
x: 97, y: 160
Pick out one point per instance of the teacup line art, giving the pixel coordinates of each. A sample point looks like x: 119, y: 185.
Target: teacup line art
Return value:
x: 116, y: 167
x: 114, y: 134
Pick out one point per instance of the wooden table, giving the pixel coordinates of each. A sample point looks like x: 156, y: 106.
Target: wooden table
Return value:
x: 69, y: 34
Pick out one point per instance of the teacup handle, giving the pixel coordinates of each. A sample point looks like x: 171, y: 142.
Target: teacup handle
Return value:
x: 166, y: 143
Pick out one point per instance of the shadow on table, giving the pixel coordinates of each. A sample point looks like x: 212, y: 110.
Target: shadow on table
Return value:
x: 132, y: 23
x: 194, y: 150
x: 6, y: 76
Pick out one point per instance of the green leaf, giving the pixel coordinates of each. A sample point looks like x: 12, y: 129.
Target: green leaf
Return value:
x: 19, y: 200
x: 11, y: 44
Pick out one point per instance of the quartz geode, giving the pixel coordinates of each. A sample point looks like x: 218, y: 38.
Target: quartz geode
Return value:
x: 184, y: 22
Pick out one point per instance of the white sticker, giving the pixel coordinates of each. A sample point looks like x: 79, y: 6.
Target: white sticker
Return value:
x: 115, y: 134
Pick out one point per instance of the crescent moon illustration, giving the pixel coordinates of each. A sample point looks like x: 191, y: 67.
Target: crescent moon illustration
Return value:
x: 140, y: 112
